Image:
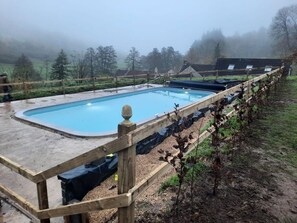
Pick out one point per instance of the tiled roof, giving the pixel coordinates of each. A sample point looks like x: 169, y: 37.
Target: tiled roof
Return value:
x: 227, y: 66
x: 242, y: 63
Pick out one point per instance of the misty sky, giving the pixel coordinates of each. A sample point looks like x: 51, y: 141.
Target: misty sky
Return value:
x: 144, y: 24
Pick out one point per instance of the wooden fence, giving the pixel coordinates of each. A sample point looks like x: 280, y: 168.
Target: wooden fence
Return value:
x: 71, y: 85
x: 128, y: 191
x: 23, y: 89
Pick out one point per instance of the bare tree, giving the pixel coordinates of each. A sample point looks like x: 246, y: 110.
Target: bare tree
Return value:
x: 106, y: 62
x: 46, y: 64
x: 217, y: 52
x: 133, y: 59
x: 284, y: 30
x: 89, y: 60
x: 80, y: 66
x: 153, y: 60
x: 171, y: 59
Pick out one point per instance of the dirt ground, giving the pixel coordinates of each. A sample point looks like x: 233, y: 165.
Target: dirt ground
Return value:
x: 254, y: 188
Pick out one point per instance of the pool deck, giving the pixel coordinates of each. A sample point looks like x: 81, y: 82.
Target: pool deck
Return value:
x: 39, y: 149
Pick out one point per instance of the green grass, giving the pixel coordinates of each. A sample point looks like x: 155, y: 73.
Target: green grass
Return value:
x: 174, y: 181
x: 43, y: 90
x: 38, y: 65
x: 203, y: 150
x: 280, y: 124
x: 232, y: 126
x: 171, y: 182
x: 8, y: 68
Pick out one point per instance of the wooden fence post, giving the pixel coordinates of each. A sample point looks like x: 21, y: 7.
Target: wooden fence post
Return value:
x: 25, y: 89
x: 93, y: 79
x: 63, y: 86
x: 249, y: 89
x: 126, y: 167
x: 116, y: 83
x: 147, y: 79
x: 42, y: 198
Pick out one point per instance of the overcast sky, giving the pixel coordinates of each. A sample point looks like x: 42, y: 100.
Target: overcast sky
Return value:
x: 144, y: 24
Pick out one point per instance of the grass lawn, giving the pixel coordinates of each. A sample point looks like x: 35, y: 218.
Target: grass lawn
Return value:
x: 8, y: 68
x: 280, y: 123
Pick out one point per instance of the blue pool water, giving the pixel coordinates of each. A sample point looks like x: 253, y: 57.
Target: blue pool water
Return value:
x: 100, y: 116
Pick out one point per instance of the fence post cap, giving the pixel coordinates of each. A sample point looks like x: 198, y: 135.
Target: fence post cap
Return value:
x: 126, y: 113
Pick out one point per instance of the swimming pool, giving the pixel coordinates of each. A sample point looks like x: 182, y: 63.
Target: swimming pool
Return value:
x: 101, y: 116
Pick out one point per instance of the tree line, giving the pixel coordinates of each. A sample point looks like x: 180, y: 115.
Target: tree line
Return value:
x: 101, y: 61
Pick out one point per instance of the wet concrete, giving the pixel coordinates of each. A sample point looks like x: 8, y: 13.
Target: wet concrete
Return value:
x: 39, y: 149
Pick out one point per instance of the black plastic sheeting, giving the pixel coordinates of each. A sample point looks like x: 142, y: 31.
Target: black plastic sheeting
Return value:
x: 76, y: 183
x: 214, y: 85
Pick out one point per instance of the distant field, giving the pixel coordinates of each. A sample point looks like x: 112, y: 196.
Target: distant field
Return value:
x: 8, y: 68
x: 38, y: 65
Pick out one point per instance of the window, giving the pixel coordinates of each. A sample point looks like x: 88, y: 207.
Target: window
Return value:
x: 231, y: 66
x: 249, y: 67
x: 268, y: 68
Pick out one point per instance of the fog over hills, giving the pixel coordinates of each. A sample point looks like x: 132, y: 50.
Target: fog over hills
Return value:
x: 33, y: 42
x: 41, y: 28
x: 39, y: 44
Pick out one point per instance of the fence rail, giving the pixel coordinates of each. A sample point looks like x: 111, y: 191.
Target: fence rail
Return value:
x: 125, y: 146
x: 23, y: 89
